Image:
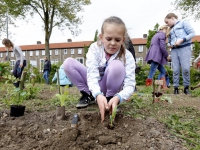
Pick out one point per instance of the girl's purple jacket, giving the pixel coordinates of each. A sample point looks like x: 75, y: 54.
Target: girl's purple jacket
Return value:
x: 157, y: 51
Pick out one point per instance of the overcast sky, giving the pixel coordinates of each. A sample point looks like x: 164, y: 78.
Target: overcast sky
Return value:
x: 138, y: 15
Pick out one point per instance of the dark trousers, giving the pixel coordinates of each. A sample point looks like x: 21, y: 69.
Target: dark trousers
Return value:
x: 18, y: 72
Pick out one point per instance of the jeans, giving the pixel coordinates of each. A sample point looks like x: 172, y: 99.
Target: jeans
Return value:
x: 154, y: 67
x: 16, y: 71
x: 46, y: 76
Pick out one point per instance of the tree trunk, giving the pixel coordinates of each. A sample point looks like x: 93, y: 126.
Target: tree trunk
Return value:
x: 22, y: 80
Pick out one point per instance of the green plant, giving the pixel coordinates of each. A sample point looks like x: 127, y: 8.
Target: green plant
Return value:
x: 112, y: 117
x: 14, y: 97
x: 63, y: 97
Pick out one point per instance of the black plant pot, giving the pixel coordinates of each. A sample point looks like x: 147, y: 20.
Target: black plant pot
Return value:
x: 17, y: 110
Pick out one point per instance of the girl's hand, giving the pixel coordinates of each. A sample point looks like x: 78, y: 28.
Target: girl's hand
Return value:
x: 178, y: 42
x: 103, y: 105
x: 113, y: 103
x: 21, y: 65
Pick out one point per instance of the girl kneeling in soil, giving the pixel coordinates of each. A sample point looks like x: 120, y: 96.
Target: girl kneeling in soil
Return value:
x: 110, y: 74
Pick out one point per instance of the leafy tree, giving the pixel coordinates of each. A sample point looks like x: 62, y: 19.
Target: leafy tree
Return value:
x: 60, y: 13
x: 151, y: 33
x: 86, y: 48
x: 188, y: 8
x: 196, y: 49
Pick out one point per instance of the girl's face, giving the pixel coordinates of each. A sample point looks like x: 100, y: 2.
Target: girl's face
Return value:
x: 112, y: 38
x: 170, y: 22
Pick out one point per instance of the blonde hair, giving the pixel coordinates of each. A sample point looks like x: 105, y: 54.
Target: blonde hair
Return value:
x: 163, y: 27
x: 117, y: 21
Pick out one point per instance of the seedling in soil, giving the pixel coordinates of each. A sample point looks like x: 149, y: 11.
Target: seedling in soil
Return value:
x: 112, y: 118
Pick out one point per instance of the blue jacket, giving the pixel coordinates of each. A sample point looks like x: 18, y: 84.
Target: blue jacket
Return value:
x: 181, y: 30
x: 64, y: 80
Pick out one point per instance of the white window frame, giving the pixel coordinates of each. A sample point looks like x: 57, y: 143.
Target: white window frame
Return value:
x: 191, y: 60
x: 41, y: 65
x: 65, y: 51
x: 43, y: 52
x: 37, y: 53
x: 24, y: 53
x: 33, y: 63
x: 12, y: 64
x: 50, y: 52
x: 72, y: 51
x: 79, y: 59
x: 1, y: 54
x: 54, y: 61
x: 140, y: 48
x: 80, y: 51
x: 56, y: 51
x: 12, y: 54
x: 31, y: 53
x: 139, y: 59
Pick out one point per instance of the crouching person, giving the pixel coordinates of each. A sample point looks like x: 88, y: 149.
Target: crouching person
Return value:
x: 109, y: 75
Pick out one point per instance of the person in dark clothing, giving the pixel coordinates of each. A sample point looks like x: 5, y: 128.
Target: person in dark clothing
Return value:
x: 129, y: 46
x: 46, y: 70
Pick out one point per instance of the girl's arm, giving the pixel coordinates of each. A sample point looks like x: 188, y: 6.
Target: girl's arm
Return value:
x: 163, y: 45
x: 92, y: 65
x: 189, y: 30
x: 19, y: 50
x: 129, y: 81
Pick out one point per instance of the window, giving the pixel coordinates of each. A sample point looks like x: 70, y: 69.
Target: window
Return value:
x: 24, y: 53
x: 43, y: 52
x: 12, y: 54
x: 1, y: 54
x: 80, y: 59
x: 50, y: 52
x: 192, y: 46
x: 80, y: 51
x: 37, y: 53
x: 31, y: 53
x: 12, y: 64
x: 72, y: 51
x: 139, y: 60
x: 65, y: 51
x: 54, y: 61
x: 41, y: 65
x: 33, y: 63
x: 140, y: 49
x: 56, y: 51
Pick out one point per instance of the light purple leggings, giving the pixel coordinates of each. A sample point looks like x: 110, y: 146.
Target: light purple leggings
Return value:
x: 110, y: 84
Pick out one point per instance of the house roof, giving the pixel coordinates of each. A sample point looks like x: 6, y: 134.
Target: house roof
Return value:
x: 52, y: 46
x: 135, y: 41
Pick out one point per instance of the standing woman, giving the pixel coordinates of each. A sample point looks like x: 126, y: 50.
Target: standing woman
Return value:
x: 20, y: 59
x: 179, y: 40
x: 157, y: 55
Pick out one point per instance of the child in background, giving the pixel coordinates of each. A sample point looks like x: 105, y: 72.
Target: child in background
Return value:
x: 109, y: 75
x: 179, y: 40
x: 62, y: 78
x: 20, y: 59
x: 157, y: 55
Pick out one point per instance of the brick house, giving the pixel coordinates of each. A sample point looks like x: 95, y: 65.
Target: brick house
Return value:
x: 60, y: 51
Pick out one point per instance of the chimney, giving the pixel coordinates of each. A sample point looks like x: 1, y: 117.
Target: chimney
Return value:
x: 144, y: 36
x: 69, y: 40
x: 39, y: 42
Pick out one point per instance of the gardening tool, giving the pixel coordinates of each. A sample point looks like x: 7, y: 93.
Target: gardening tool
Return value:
x: 192, y: 88
x: 74, y: 121
x: 158, y: 93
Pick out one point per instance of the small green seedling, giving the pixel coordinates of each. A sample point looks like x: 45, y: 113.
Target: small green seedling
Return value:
x: 63, y: 97
x: 112, y: 117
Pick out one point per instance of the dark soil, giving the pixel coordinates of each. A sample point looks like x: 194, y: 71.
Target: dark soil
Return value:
x: 39, y: 130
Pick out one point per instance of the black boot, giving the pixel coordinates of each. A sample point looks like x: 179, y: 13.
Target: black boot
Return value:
x: 16, y: 84
x: 186, y: 90
x: 176, y: 90
x: 85, y: 100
